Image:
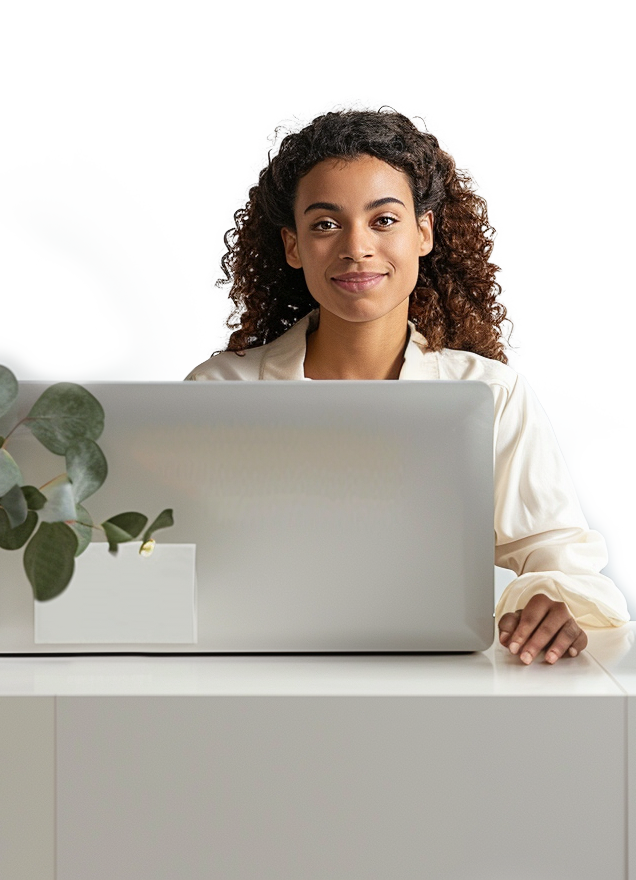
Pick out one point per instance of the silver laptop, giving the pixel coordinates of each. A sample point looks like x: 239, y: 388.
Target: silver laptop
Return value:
x: 312, y: 517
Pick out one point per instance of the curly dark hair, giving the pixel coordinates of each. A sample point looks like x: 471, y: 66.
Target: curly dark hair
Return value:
x: 454, y: 303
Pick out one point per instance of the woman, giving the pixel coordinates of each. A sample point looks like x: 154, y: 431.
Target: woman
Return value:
x: 363, y: 253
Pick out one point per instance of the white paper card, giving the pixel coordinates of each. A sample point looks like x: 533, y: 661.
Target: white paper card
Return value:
x: 124, y: 599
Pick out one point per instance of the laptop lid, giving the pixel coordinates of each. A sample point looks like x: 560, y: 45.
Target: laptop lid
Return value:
x: 317, y: 517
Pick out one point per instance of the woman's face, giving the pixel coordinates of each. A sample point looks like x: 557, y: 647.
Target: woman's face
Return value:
x: 357, y: 238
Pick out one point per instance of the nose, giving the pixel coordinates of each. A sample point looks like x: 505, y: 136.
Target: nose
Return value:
x: 356, y: 243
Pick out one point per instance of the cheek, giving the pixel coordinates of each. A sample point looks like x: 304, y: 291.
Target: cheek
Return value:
x: 407, y: 254
x: 314, y: 255
x: 410, y: 264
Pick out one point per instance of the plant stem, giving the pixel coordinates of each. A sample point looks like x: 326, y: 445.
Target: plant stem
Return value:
x: 78, y: 522
x: 48, y: 483
x: 21, y: 422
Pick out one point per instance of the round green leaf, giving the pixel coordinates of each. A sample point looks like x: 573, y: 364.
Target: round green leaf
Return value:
x: 49, y: 559
x: 123, y: 527
x: 8, y: 389
x: 34, y: 498
x: 163, y: 521
x: 86, y: 467
x: 60, y: 500
x: 9, y: 472
x: 64, y: 414
x: 15, y: 506
x: 13, y: 539
x: 130, y: 522
x: 82, y: 526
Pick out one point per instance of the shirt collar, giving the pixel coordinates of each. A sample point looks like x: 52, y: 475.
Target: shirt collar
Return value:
x: 419, y: 362
x: 285, y: 357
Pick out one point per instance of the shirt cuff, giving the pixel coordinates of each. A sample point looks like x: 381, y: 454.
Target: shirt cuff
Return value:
x: 601, y: 605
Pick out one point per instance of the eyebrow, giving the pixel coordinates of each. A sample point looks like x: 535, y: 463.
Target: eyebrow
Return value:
x: 371, y: 206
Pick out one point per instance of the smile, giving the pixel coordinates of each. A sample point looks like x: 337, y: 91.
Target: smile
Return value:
x: 357, y: 282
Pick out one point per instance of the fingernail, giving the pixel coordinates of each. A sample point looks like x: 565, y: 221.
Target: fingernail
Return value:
x: 526, y: 657
x: 503, y: 638
x: 514, y: 647
x: 572, y: 652
x: 550, y: 657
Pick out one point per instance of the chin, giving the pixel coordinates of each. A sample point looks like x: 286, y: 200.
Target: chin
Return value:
x: 362, y: 313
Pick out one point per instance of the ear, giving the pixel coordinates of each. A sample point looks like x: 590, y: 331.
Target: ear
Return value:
x: 425, y: 224
x: 290, y: 242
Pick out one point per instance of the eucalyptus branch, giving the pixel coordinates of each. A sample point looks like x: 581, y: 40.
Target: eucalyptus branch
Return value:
x: 78, y: 522
x: 51, y: 522
x: 21, y: 422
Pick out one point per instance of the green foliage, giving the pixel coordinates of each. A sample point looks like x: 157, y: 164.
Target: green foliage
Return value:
x: 9, y: 472
x: 86, y: 467
x: 34, y: 498
x: 83, y: 528
x: 13, y: 539
x: 49, y: 559
x: 127, y: 526
x: 123, y: 528
x: 8, y: 390
x: 60, y: 501
x: 15, y: 506
x: 163, y: 521
x: 64, y: 414
x: 67, y: 419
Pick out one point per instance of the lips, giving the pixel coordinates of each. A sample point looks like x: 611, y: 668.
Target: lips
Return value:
x: 358, y: 281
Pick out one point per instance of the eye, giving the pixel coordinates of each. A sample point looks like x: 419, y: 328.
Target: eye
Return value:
x: 324, y: 225
x: 385, y: 221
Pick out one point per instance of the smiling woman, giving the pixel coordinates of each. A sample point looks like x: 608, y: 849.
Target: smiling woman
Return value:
x: 363, y: 253
x: 453, y: 301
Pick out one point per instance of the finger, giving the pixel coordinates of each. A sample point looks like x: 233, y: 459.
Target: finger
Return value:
x: 570, y: 640
x: 564, y: 639
x: 530, y: 617
x: 507, y: 625
x: 557, y: 620
x: 579, y: 645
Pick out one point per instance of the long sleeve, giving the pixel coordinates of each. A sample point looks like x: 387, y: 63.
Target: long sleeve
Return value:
x: 540, y: 531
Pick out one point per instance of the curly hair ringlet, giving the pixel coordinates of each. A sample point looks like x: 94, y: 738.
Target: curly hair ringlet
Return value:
x: 454, y: 303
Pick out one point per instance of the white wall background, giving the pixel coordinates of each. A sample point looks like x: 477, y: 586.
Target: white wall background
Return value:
x: 131, y: 131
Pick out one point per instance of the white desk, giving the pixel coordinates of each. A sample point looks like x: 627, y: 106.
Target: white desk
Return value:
x: 319, y: 768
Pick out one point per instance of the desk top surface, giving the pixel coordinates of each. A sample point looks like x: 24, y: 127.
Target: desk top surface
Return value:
x: 606, y: 668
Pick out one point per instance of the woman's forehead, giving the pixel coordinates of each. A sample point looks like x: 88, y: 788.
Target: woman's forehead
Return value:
x: 352, y: 183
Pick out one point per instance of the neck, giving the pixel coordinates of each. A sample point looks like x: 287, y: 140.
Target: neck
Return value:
x: 341, y: 349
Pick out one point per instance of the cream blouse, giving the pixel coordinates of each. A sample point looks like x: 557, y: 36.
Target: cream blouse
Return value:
x: 540, y: 531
